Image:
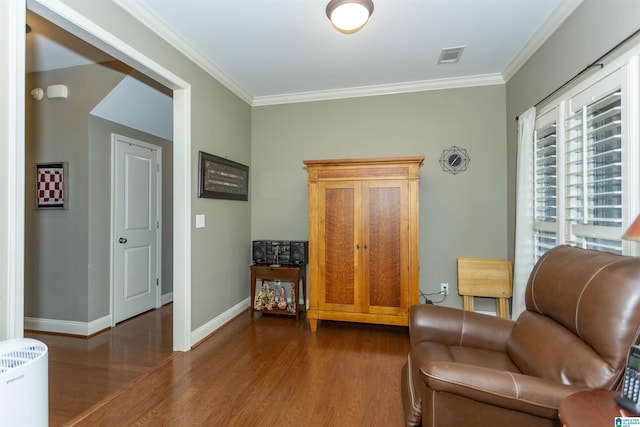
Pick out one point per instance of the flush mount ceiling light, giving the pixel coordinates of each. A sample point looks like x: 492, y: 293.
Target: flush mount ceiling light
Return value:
x: 349, y: 16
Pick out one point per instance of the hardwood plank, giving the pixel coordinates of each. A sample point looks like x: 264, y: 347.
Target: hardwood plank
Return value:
x: 270, y: 371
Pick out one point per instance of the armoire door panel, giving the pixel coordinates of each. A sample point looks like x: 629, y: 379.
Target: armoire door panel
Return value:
x: 387, y: 230
x: 338, y: 246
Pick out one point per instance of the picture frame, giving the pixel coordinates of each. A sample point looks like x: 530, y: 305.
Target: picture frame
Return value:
x: 52, y: 184
x: 220, y: 178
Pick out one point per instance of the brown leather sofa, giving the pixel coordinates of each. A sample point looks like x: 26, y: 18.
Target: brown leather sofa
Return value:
x: 464, y: 368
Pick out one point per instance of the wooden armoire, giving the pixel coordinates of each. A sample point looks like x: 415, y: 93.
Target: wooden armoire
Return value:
x: 363, y: 239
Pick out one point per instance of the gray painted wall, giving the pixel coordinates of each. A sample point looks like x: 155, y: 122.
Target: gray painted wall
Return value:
x: 594, y: 27
x: 460, y: 216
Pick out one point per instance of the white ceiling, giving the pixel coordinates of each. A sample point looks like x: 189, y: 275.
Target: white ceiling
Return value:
x: 276, y: 51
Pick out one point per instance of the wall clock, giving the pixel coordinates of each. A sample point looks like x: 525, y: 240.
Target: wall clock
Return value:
x: 454, y: 160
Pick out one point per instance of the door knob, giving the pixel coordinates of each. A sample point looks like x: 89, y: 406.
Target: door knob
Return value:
x: 122, y: 240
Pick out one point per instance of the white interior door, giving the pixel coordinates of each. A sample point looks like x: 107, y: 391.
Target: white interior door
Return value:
x: 136, y: 201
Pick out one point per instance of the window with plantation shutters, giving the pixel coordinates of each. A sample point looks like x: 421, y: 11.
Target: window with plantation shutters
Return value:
x: 593, y: 174
x: 586, y: 162
x: 545, y: 185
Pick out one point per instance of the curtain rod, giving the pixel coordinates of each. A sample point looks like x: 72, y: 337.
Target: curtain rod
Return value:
x: 595, y: 63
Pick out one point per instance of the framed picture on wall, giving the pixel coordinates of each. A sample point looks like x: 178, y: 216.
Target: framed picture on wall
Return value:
x: 52, y: 185
x: 220, y: 178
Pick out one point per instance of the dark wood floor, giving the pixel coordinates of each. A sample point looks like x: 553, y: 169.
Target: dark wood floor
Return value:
x: 264, y: 371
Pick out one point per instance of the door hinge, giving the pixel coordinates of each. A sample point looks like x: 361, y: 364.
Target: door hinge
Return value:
x: 158, y: 224
x: 157, y: 281
x: 158, y: 168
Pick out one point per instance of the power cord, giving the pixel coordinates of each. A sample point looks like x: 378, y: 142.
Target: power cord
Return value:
x: 428, y: 301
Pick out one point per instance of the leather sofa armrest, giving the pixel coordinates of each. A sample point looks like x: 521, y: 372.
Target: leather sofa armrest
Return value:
x: 509, y: 390
x: 455, y: 327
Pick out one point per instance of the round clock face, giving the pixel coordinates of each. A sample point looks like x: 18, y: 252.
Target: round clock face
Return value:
x: 454, y: 160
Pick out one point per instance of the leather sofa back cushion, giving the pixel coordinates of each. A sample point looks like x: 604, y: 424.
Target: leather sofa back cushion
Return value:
x: 582, y: 308
x: 542, y: 348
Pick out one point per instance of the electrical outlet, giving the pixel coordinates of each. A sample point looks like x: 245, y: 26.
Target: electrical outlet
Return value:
x: 444, y: 288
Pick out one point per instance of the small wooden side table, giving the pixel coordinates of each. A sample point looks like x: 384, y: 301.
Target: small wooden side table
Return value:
x: 286, y: 273
x: 591, y: 408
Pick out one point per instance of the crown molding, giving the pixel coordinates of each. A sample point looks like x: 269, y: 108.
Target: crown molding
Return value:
x: 555, y: 20
x: 388, y: 89
x: 147, y: 17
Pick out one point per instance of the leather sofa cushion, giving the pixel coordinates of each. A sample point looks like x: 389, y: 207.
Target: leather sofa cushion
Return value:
x: 542, y: 348
x: 429, y: 352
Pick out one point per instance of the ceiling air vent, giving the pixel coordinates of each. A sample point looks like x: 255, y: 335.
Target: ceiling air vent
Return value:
x: 450, y: 55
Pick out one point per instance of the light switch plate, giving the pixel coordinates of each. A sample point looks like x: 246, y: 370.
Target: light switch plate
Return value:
x: 200, y: 221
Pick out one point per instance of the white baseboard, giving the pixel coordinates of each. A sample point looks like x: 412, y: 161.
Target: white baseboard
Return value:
x: 67, y: 326
x: 213, y: 325
x: 89, y: 328
x: 166, y: 298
